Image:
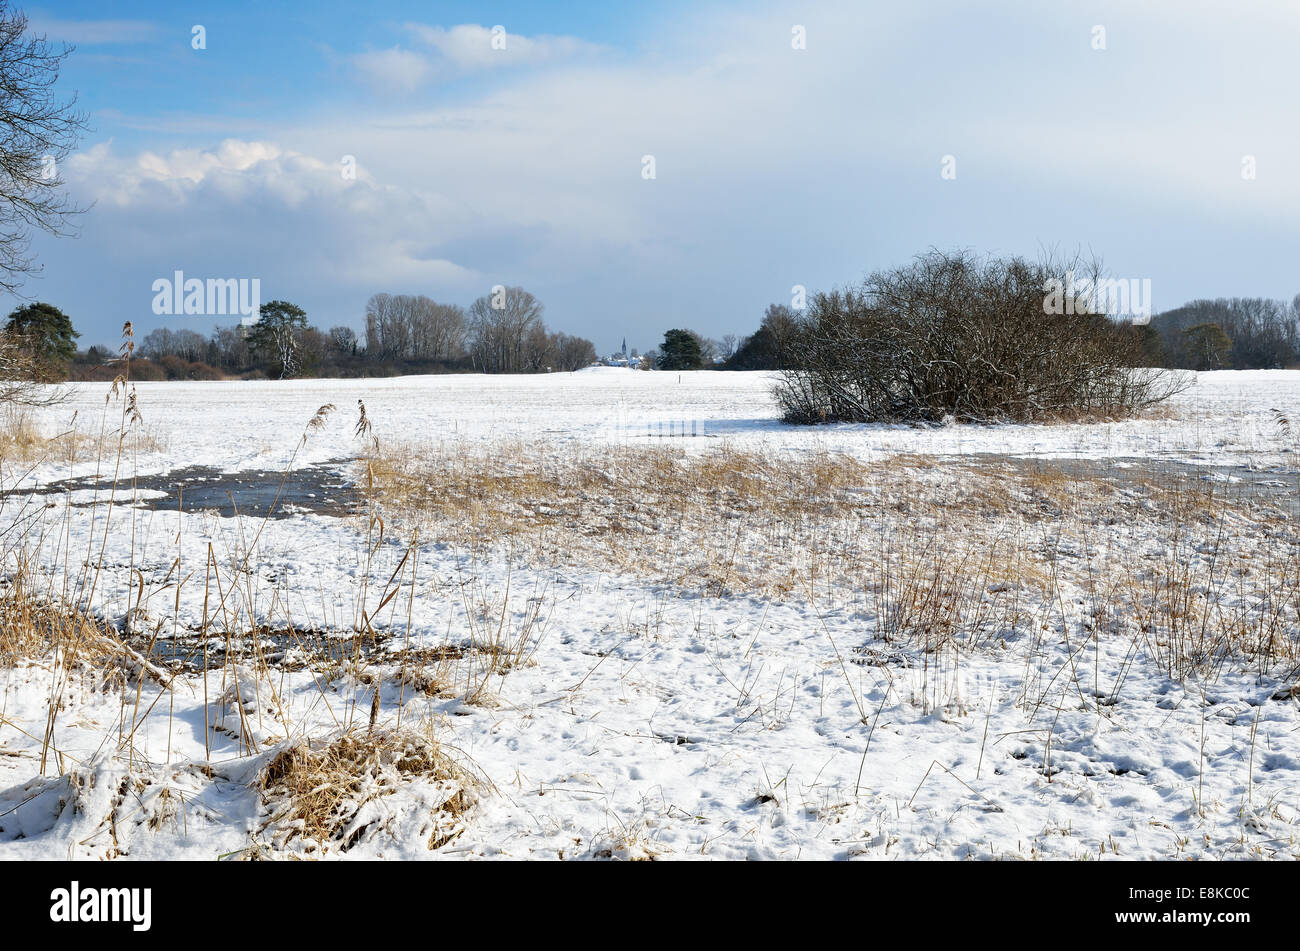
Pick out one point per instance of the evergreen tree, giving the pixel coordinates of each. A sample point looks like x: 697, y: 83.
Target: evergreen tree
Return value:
x: 276, y: 338
x: 680, y: 351
x: 757, y: 352
x: 46, y: 332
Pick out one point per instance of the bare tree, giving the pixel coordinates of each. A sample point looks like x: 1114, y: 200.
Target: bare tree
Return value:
x: 343, y: 339
x: 38, y: 130
x: 709, y: 348
x: 230, y: 348
x: 500, y: 326
x: 437, y: 330
x: 387, y: 331
x: 406, y: 327
x: 183, y: 343
x: 782, y: 329
x: 1264, y: 333
x: 539, y: 349
x: 573, y: 353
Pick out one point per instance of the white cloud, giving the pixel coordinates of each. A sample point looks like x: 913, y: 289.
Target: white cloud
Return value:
x: 470, y: 46
x: 466, y: 48
x: 259, y: 208
x: 147, y: 176
x: 393, y: 68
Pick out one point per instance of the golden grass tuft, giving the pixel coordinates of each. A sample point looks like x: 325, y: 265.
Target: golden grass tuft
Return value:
x: 33, y: 627
x: 24, y: 441
x: 320, y: 793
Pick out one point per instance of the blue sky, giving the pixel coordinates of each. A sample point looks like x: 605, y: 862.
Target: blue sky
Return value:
x: 774, y: 166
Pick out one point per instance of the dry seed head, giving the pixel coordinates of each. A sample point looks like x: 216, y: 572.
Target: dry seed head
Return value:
x: 133, y: 408
x: 318, y: 421
x: 1282, y: 421
x: 363, y: 421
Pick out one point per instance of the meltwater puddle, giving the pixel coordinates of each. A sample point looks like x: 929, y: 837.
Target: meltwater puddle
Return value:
x: 320, y: 489
x: 1276, y: 486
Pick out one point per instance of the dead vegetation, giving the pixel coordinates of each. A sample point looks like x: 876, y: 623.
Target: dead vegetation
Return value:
x: 322, y: 794
x: 940, y: 552
x: 32, y: 626
x: 25, y: 443
x: 329, y: 794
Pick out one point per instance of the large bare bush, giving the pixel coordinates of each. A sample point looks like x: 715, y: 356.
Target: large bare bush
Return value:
x: 956, y: 335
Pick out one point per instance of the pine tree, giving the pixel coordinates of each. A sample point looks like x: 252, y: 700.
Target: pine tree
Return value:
x: 276, y: 338
x: 680, y: 351
x: 45, y: 331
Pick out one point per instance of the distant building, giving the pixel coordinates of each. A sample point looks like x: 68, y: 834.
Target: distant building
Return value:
x: 621, y: 358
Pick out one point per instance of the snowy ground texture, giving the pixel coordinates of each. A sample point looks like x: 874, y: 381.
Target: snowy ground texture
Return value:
x: 579, y: 709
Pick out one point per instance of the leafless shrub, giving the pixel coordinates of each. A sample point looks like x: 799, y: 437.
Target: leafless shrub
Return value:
x: 955, y: 335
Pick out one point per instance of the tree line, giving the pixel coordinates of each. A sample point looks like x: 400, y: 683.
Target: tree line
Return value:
x: 1239, y: 333
x: 502, y: 332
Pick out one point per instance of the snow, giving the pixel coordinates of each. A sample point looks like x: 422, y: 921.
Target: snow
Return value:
x: 647, y: 721
x: 236, y: 425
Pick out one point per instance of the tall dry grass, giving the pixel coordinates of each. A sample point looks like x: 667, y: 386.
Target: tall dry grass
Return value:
x: 938, y: 553
x: 57, y: 623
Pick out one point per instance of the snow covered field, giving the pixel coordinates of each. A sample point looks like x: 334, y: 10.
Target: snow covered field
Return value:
x: 588, y: 706
x: 236, y: 425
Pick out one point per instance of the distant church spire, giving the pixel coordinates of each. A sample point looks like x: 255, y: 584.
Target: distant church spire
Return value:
x: 625, y: 346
